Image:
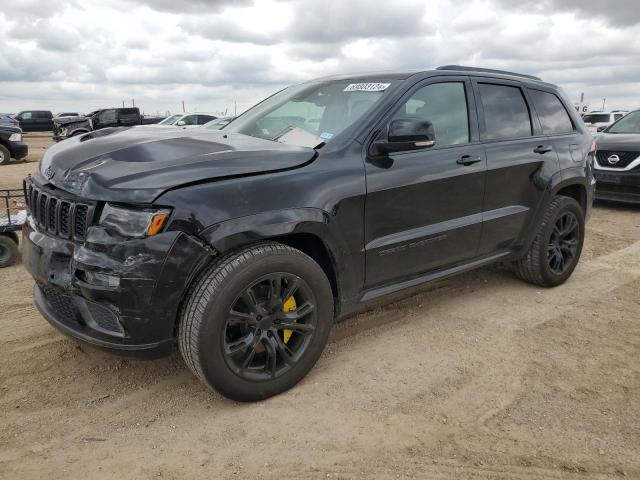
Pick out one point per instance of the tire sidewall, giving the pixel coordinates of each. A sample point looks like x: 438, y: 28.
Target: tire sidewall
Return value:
x: 10, y: 250
x: 210, y: 346
x: 566, y: 205
x: 5, y: 155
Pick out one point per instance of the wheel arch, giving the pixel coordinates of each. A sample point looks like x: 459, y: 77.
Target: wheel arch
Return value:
x: 576, y: 188
x: 305, y: 229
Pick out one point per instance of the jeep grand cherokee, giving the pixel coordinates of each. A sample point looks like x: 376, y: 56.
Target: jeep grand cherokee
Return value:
x: 241, y: 247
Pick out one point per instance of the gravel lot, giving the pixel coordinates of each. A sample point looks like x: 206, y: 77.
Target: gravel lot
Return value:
x: 479, y: 376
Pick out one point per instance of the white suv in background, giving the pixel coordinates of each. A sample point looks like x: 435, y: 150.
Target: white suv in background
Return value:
x: 598, y: 121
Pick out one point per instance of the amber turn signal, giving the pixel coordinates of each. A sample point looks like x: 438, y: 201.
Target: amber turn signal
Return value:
x: 157, y: 222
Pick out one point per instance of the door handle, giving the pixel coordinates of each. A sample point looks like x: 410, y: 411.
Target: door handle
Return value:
x: 467, y: 160
x: 542, y: 149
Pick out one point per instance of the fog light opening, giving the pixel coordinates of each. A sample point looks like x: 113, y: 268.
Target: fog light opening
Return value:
x: 99, y: 279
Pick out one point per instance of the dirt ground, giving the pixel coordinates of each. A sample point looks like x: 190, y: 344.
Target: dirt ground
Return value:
x: 475, y: 377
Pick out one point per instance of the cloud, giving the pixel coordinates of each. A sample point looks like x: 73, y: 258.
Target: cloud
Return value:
x: 618, y: 12
x: 190, y: 6
x: 212, y: 54
x: 332, y: 21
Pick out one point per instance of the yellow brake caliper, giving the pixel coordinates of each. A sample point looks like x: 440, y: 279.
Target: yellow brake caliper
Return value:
x: 288, y: 306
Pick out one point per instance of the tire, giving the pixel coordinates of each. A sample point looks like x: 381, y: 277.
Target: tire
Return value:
x: 8, y: 251
x: 237, y: 345
x: 5, y: 155
x: 540, y: 266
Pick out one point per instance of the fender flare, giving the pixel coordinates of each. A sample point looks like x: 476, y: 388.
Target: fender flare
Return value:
x: 237, y: 232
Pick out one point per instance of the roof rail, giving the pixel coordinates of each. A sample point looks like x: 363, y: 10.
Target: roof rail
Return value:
x: 461, y: 68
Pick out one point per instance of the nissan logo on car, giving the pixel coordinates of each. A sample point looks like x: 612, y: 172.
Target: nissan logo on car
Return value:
x: 613, y: 159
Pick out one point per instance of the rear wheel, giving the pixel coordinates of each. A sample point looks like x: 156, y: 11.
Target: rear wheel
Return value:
x: 8, y: 250
x: 256, y: 321
x: 557, y: 246
x: 5, y: 155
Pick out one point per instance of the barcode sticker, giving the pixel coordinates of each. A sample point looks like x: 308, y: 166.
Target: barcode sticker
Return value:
x: 366, y: 87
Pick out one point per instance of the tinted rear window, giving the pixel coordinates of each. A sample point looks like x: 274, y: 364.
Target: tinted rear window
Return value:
x: 506, y: 114
x: 552, y: 114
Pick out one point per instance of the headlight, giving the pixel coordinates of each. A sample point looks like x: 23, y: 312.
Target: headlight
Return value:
x: 63, y: 132
x: 134, y: 223
x: 15, y: 137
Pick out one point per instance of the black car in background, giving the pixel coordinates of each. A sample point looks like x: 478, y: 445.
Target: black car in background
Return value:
x: 7, y: 121
x: 35, y: 120
x: 617, y: 168
x: 65, y: 127
x: 242, y: 246
x: 11, y: 144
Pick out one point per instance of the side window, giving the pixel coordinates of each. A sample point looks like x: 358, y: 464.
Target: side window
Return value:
x: 190, y: 120
x: 108, y: 116
x: 552, y: 114
x: 202, y: 119
x: 445, y: 106
x: 618, y: 116
x: 506, y: 115
x: 26, y: 116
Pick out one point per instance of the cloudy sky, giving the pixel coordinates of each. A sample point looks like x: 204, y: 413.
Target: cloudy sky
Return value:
x: 214, y: 54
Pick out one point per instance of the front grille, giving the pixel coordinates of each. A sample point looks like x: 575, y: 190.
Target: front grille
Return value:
x: 625, y: 158
x: 65, y: 311
x: 59, y: 215
x: 59, y: 301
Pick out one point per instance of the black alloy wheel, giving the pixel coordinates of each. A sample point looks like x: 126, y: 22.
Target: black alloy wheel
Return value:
x: 262, y: 339
x: 256, y: 320
x: 563, y: 244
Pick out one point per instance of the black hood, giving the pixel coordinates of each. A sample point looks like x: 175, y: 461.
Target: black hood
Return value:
x: 66, y: 120
x: 136, y: 165
x: 623, y: 142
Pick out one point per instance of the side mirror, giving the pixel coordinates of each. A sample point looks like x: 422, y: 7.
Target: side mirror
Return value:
x: 407, y: 134
x: 181, y: 123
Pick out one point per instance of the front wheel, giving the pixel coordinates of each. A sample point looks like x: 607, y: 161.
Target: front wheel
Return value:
x: 256, y: 321
x: 5, y: 155
x: 8, y: 249
x: 557, y: 246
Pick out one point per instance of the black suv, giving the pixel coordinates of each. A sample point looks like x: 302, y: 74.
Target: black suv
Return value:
x: 35, y: 120
x: 65, y: 127
x: 617, y: 167
x: 242, y: 246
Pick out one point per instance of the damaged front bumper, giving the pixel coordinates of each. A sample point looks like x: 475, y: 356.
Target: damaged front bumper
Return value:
x: 112, y: 292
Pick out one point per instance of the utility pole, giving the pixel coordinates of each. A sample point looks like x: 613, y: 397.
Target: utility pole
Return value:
x: 133, y: 102
x: 235, y: 108
x: 604, y: 100
x: 183, y: 110
x: 122, y: 103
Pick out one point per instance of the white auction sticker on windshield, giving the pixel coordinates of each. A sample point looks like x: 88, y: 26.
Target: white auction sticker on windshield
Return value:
x: 366, y: 87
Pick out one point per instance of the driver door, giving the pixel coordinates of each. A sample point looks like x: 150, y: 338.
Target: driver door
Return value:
x: 424, y: 207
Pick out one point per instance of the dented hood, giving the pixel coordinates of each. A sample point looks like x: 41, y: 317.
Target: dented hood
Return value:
x: 138, y: 164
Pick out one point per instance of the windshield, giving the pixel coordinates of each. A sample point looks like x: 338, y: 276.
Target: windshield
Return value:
x: 323, y: 110
x: 217, y: 124
x: 596, y: 118
x: 170, y: 120
x: 627, y: 124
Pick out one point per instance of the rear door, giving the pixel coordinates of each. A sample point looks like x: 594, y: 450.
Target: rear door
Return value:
x: 423, y: 207
x: 44, y: 121
x: 519, y: 161
x: 555, y: 122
